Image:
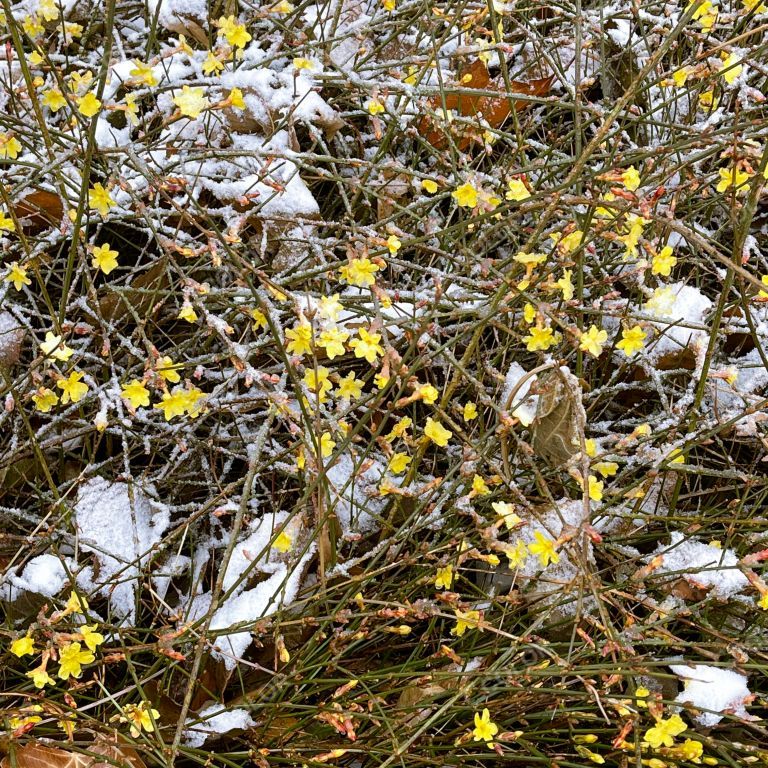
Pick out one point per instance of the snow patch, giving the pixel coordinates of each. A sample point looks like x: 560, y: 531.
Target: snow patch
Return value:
x: 713, y: 689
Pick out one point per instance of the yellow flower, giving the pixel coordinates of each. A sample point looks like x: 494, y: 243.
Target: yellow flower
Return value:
x: 705, y: 14
x: 399, y: 463
x: 259, y: 319
x: 168, y: 370
x: 592, y: 341
x: 517, y: 554
x: 350, y: 387
x: 539, y: 339
x: 48, y: 10
x: 663, y: 262
x: 332, y: 341
x: 465, y: 195
x: 437, y: 433
x: 54, y: 99
x: 131, y: 109
x: 40, y: 677
x: 428, y: 394
x: 465, y: 620
x: 317, y: 382
x: 6, y: 223
x: 731, y: 67
x: 506, y: 512
x: 140, y: 717
x: 135, y: 393
x: 104, y: 258
x: 680, y: 76
x: 236, y: 99
x: 367, y: 345
x: 187, y: 312
x: 327, y: 445
x: 530, y: 259
x: 88, y: 105
x: 283, y: 542
x: 606, y: 469
x: 429, y: 186
x: 21, y: 722
x: 732, y: 177
x: 631, y: 340
x: 444, y: 577
x: 44, y: 399
x: 76, y: 604
x: 236, y: 34
x: 479, y: 486
x: 595, y: 488
x: 300, y: 63
x: 664, y: 731
x: 191, y: 102
x: 360, y: 272
x: 91, y: 637
x: 374, y: 107
x: 529, y: 313
x: 212, y: 64
x: 100, y: 199
x: 180, y: 401
x: 299, y: 339
x: 565, y: 284
x: 399, y: 429
x: 517, y: 190
x: 569, y: 242
x: 544, y: 549
x: 17, y: 275
x: 470, y: 411
x: 54, y: 347
x: 71, y: 659
x: 143, y: 73
x: 23, y: 646
x: 72, y: 389
x: 485, y: 729
x: 754, y: 6
x: 631, y: 178
x: 329, y: 307
x: 689, y: 750
x: 10, y: 146
x: 393, y: 244
x: 763, y: 601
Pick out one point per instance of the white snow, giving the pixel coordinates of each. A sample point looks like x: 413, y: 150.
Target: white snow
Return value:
x: 703, y: 565
x: 215, y: 719
x: 523, y: 407
x: 715, y: 689
x: 120, y: 525
x: 353, y: 486
x: 44, y: 575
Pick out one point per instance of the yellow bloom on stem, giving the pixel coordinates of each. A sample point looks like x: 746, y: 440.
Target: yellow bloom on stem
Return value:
x: 301, y: 63
x: 17, y: 275
x: 754, y: 6
x: 40, y: 677
x: 72, y: 389
x: 367, y: 345
x: 349, y: 387
x: 664, y: 732
x: 54, y: 347
x: 143, y: 73
x: 705, y: 14
x: 569, y: 242
x: 299, y: 339
x: 517, y: 554
x: 465, y: 195
x: 71, y: 659
x: 470, y: 411
x: 565, y: 284
x: 360, y: 272
x: 606, y: 468
x: 506, y: 512
x: 399, y: 463
x: 317, y: 382
x: 76, y: 604
x: 212, y: 64
x: 234, y: 32
x: 517, y: 190
x: 595, y: 488
x: 104, y: 258
x: 88, y: 105
x: 592, y: 341
x: 332, y: 341
x: 544, y: 549
x: 428, y: 394
x: 236, y: 99
x: 429, y: 186
x: 329, y: 307
x: 187, y: 312
x: 530, y: 259
x: 374, y: 107
x: 731, y: 67
x: 23, y: 646
x: 283, y: 542
x: 465, y: 620
x: 394, y: 244
x: 485, y: 729
x: 135, y: 393
x: 180, y: 401
x: 733, y: 177
x: 100, y: 199
x: 327, y: 444
x: 663, y: 262
x: 479, y: 486
x: 763, y: 601
x: 91, y: 637
x: 437, y: 433
x: 54, y: 99
x: 6, y: 223
x: 191, y: 101
x: 444, y: 577
x: 140, y: 717
x: 168, y: 370
x: 631, y: 178
x: 44, y: 399
x: 10, y: 146
x: 539, y: 339
x: 631, y: 340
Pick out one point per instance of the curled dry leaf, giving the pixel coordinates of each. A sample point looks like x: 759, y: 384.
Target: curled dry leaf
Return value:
x: 39, y: 209
x: 101, y: 754
x: 495, y: 110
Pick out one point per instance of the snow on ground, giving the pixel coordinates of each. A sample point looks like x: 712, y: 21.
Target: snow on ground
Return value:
x: 215, y: 719
x: 714, y: 691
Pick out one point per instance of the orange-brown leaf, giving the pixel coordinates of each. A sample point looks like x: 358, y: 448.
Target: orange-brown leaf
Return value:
x: 39, y: 209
